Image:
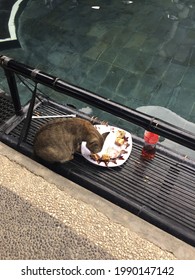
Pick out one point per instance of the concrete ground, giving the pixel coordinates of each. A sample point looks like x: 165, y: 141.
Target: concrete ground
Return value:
x: 46, y: 216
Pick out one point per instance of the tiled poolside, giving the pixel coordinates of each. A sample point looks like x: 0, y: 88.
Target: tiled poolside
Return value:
x: 138, y: 53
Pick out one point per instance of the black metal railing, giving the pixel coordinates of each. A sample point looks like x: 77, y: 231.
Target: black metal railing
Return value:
x: 169, y: 131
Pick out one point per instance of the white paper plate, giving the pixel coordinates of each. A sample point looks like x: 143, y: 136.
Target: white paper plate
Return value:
x: 110, y: 147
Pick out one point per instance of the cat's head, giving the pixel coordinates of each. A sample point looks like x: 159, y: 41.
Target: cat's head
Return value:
x: 95, y: 144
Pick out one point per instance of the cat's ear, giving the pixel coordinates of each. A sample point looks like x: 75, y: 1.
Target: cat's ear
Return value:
x: 104, y: 135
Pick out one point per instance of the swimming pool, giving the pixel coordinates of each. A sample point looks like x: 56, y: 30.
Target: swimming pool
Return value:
x: 138, y: 53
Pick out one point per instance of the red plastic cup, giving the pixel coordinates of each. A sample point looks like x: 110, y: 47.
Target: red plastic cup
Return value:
x: 149, y: 148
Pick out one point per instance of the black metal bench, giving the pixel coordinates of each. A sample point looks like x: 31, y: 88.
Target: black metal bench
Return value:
x: 161, y: 191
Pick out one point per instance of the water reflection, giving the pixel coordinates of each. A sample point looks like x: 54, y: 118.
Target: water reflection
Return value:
x: 178, y: 12
x: 127, y: 2
x: 51, y: 4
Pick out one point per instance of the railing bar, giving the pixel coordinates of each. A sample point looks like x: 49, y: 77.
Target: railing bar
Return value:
x: 150, y: 123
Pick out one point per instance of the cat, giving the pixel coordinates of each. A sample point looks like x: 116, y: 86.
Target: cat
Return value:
x: 59, y: 139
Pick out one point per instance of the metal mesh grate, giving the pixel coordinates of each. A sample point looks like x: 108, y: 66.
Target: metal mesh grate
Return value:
x: 6, y: 108
x: 161, y: 191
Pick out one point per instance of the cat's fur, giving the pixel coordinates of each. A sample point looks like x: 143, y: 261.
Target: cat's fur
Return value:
x: 59, y: 139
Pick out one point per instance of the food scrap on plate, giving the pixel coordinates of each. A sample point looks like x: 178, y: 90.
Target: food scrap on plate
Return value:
x: 112, y: 154
x: 116, y: 149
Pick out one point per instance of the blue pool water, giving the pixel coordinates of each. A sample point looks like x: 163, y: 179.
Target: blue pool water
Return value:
x: 139, y: 53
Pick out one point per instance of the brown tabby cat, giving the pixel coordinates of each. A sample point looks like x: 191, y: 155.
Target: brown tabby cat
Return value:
x: 59, y: 139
